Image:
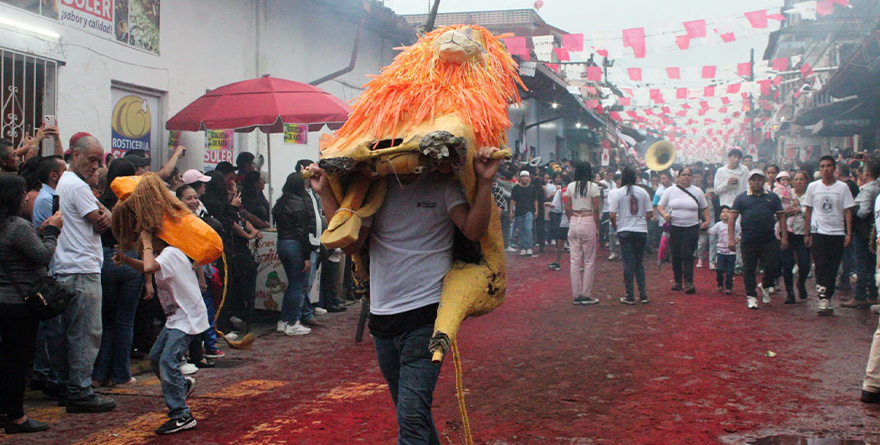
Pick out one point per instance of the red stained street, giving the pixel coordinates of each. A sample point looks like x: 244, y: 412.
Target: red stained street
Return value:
x: 690, y: 369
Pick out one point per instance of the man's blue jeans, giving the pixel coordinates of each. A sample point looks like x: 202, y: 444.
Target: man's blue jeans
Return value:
x: 632, y: 251
x: 308, y: 311
x: 78, y: 335
x: 865, y: 263
x: 165, y: 358
x: 291, y: 258
x: 121, y: 289
x: 523, y: 224
x: 405, y: 362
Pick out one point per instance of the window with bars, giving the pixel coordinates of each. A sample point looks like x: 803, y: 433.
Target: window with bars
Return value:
x: 27, y: 93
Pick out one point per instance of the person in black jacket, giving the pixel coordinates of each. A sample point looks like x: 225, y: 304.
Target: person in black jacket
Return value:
x: 25, y: 257
x: 291, y: 216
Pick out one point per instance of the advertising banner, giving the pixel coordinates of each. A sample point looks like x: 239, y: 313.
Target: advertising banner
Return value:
x: 131, y: 22
x: 219, y: 147
x: 296, y: 134
x: 92, y: 16
x: 132, y: 120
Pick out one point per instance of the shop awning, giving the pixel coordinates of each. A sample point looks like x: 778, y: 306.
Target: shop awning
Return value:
x: 860, y: 74
x: 810, y: 116
x: 860, y: 118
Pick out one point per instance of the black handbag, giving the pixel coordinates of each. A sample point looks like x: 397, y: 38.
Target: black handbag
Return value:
x: 46, y: 300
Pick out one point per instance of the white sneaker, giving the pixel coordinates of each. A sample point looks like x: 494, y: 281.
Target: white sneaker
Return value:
x: 824, y: 307
x: 752, y: 302
x: 510, y: 249
x: 711, y: 266
x: 795, y: 270
x: 765, y: 294
x: 236, y: 322
x: 319, y: 310
x: 700, y: 264
x: 280, y: 326
x: 529, y: 252
x: 522, y: 252
x: 233, y: 336
x: 296, y: 329
x: 188, y: 368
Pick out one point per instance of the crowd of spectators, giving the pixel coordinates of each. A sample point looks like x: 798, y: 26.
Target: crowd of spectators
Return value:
x: 55, y: 219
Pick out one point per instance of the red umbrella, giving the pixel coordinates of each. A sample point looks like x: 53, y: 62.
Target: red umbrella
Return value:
x: 265, y: 103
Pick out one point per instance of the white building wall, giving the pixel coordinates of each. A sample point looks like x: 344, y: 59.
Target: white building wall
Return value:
x: 204, y: 44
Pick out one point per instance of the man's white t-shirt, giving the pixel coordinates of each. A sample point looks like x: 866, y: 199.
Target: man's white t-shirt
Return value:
x: 610, y: 186
x: 828, y: 203
x: 631, y: 209
x: 411, y: 243
x: 682, y: 207
x: 178, y: 290
x: 727, y: 192
x: 79, y: 248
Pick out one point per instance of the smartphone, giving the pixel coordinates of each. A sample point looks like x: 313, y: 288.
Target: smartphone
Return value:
x: 56, y: 204
x: 48, y: 143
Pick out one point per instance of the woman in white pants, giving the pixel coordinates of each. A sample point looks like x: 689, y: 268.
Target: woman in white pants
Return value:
x: 582, y: 209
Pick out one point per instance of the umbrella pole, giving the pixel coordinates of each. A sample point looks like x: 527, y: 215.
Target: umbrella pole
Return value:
x: 269, y: 163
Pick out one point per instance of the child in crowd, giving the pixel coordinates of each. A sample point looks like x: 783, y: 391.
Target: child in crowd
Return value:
x: 782, y: 188
x: 187, y: 317
x: 726, y: 259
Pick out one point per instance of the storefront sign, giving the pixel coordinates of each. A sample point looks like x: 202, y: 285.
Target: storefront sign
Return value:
x: 131, y: 22
x: 219, y: 147
x: 93, y: 16
x: 131, y: 125
x: 606, y: 156
x: 296, y: 134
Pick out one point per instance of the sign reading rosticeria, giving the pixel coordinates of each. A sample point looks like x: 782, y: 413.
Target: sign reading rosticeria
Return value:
x: 296, y: 134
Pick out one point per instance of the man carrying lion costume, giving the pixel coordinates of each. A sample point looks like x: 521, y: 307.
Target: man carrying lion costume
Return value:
x: 408, y: 180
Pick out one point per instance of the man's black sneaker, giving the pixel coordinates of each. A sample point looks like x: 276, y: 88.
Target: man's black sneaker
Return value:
x: 870, y: 397
x: 554, y: 266
x: 190, y: 385
x: 585, y: 301
x: 205, y: 363
x: 177, y: 425
x: 91, y: 404
x: 336, y: 308
x: 38, y: 385
x: 28, y: 426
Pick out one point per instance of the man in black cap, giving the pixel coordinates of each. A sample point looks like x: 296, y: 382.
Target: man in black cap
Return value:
x: 760, y: 212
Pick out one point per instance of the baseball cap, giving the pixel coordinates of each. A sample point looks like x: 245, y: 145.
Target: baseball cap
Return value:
x: 192, y: 175
x: 757, y: 171
x: 524, y: 173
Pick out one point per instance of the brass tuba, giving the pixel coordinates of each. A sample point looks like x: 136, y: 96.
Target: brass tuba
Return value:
x: 660, y: 155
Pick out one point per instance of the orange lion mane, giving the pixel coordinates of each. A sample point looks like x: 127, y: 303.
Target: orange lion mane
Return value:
x: 418, y: 86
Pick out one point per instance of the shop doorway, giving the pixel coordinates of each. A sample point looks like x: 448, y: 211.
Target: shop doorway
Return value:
x: 27, y: 93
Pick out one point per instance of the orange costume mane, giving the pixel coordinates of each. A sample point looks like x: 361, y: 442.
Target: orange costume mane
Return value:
x: 419, y: 85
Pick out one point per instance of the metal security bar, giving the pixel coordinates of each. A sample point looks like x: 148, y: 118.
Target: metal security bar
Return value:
x: 28, y: 86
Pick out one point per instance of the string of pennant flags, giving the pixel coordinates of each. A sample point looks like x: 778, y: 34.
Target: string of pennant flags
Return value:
x: 703, y: 117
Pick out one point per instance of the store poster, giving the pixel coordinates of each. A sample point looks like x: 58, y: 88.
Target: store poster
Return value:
x: 131, y: 22
x: 45, y: 8
x: 133, y: 118
x: 219, y: 147
x: 296, y: 134
x: 271, y: 278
